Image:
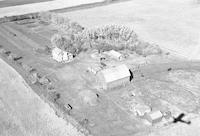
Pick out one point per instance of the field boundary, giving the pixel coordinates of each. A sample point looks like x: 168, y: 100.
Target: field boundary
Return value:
x: 44, y: 6
x: 32, y: 15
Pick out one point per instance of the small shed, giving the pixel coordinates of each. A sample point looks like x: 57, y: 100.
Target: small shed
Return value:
x: 115, y: 55
x: 113, y: 77
x: 154, y: 116
x: 61, y: 56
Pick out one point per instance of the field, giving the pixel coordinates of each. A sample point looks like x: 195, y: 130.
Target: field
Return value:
x: 6, y: 3
x: 23, y: 113
x: 153, y: 85
x: 21, y: 7
x: 172, y: 24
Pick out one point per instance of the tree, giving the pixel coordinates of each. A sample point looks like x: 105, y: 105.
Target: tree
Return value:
x: 64, y: 42
x: 45, y: 16
x: 111, y: 37
x: 57, y: 40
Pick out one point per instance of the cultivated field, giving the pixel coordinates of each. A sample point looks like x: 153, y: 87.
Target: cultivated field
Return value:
x: 38, y: 6
x: 173, y: 24
x: 7, y: 3
x: 23, y: 113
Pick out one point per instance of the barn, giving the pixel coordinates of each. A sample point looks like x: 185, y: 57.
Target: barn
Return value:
x: 114, y: 77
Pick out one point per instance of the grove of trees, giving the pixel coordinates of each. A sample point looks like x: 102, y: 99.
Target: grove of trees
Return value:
x: 76, y: 38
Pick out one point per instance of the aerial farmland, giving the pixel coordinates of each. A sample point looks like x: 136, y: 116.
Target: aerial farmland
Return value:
x: 109, y: 68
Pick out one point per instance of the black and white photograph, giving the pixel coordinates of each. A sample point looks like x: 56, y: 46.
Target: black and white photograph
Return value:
x: 99, y: 67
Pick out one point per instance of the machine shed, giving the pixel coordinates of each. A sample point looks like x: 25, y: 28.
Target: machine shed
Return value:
x: 113, y: 77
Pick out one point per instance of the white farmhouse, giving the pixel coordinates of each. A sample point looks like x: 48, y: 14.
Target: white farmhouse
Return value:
x: 113, y: 77
x: 61, y: 56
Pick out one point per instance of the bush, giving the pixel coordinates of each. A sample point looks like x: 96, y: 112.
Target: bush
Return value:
x: 18, y: 17
x: 64, y: 42
x: 57, y: 40
x: 61, y: 22
x: 67, y: 41
x: 140, y: 46
x: 152, y: 49
x: 45, y: 17
x: 146, y: 49
x: 75, y: 28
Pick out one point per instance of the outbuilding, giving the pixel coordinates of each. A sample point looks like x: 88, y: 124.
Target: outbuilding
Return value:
x: 154, y: 116
x: 115, y: 55
x: 61, y: 56
x: 113, y: 77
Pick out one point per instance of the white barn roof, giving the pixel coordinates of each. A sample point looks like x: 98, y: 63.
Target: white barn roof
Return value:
x: 116, y: 73
x: 115, y: 54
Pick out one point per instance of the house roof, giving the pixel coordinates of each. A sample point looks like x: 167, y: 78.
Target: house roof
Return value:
x: 57, y: 51
x: 115, y: 73
x: 60, y: 55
